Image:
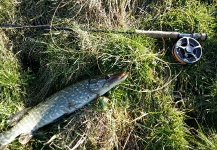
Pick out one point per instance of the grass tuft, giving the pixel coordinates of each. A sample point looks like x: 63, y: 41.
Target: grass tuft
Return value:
x: 10, y: 80
x: 161, y: 105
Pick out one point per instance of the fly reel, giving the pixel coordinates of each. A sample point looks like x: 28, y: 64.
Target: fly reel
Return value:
x: 187, y: 50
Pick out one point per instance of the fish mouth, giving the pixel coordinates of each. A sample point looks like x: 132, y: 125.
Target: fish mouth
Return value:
x: 119, y: 77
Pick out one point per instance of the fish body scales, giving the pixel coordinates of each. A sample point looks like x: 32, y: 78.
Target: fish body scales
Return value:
x: 63, y: 102
x: 59, y: 104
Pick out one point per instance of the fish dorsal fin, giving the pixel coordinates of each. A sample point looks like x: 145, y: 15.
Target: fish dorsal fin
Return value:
x: 24, y: 138
x: 16, y: 117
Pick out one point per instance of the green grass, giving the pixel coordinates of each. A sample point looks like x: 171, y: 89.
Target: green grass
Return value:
x: 10, y: 80
x: 161, y: 105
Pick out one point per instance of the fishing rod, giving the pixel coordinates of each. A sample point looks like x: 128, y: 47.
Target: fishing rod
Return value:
x: 187, y: 49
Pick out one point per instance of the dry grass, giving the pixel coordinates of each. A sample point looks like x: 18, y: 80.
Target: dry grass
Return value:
x: 150, y: 110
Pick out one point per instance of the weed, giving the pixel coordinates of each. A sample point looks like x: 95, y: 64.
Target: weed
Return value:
x: 162, y: 105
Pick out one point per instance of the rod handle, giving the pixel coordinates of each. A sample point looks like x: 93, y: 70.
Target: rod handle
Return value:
x: 158, y: 34
x: 174, y: 35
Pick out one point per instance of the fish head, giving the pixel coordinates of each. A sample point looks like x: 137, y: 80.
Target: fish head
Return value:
x: 103, y: 84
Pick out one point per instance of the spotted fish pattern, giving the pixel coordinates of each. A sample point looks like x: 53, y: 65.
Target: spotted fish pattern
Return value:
x: 61, y: 103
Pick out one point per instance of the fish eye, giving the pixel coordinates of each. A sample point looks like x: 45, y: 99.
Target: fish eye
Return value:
x: 107, y: 77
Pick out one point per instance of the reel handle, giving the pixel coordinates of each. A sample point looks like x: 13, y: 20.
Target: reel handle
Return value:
x: 174, y: 35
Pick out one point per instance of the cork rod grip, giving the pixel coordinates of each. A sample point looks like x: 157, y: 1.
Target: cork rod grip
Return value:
x: 158, y: 34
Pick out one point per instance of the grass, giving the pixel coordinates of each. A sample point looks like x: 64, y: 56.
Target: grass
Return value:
x: 162, y: 104
x: 10, y: 80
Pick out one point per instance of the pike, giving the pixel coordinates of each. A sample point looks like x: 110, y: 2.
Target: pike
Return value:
x: 61, y: 103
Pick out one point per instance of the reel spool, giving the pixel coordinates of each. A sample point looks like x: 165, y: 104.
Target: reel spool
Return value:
x: 187, y: 50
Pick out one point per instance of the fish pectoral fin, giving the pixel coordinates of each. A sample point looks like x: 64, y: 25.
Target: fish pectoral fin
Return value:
x: 24, y: 138
x: 16, y: 117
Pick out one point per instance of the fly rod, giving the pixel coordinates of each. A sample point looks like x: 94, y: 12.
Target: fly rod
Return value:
x: 187, y: 49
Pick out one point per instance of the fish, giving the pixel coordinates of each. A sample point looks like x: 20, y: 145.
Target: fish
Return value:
x: 59, y: 104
